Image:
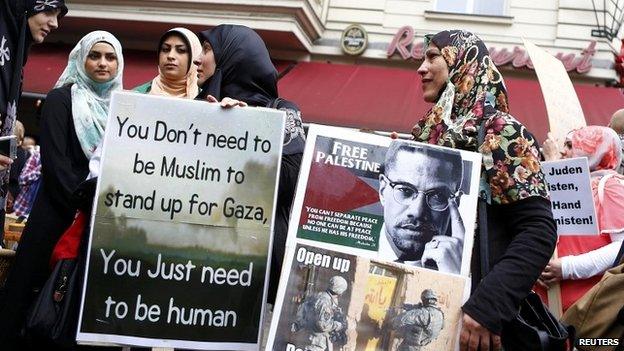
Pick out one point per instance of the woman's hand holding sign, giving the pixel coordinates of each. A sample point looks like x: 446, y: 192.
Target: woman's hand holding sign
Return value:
x: 226, y: 102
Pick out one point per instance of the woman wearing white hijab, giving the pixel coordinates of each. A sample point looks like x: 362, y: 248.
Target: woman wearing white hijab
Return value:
x: 177, y: 75
x: 72, y: 125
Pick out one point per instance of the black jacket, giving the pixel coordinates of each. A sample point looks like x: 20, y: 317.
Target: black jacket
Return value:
x: 64, y: 167
x: 522, y: 238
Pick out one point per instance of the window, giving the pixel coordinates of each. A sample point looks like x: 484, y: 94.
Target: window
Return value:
x: 475, y: 7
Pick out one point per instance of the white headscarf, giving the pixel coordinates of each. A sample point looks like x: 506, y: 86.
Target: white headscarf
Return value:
x: 90, y: 99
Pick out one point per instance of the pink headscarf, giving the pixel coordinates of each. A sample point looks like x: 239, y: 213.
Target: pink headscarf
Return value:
x: 187, y: 86
x: 601, y: 146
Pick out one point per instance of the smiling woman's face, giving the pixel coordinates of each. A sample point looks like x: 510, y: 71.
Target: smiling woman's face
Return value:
x: 101, y: 64
x: 174, y: 58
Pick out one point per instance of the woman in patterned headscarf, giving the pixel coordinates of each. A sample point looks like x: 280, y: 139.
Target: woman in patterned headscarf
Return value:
x: 469, y: 94
x: 72, y: 126
x: 583, y: 259
x: 177, y: 75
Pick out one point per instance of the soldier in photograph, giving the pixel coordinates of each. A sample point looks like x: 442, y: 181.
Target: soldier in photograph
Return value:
x: 420, y: 324
x: 320, y: 321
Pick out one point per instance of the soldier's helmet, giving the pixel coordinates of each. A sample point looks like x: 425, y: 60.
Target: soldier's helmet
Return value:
x: 337, y: 285
x: 427, y: 295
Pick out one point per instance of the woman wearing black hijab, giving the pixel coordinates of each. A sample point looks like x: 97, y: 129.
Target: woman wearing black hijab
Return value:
x: 235, y: 64
x: 22, y: 23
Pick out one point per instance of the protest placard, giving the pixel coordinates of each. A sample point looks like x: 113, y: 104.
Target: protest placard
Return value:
x: 571, y: 196
x: 335, y: 300
x: 375, y: 223
x: 564, y: 114
x: 419, y: 210
x: 182, y: 225
x: 562, y: 104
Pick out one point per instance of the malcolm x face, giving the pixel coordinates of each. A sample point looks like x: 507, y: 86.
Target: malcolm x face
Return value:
x: 415, y: 192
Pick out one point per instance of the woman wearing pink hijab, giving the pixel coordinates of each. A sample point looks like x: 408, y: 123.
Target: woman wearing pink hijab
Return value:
x: 583, y: 259
x: 177, y: 75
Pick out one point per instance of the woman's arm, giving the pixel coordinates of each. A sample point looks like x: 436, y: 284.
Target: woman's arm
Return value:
x: 530, y: 224
x: 590, y: 263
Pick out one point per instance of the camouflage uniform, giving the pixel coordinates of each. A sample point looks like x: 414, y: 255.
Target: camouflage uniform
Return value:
x: 420, y: 324
x: 317, y: 317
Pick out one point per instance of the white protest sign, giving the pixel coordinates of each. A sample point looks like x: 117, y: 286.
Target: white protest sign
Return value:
x: 182, y: 224
x: 562, y: 104
x: 378, y: 221
x: 338, y: 200
x: 571, y: 196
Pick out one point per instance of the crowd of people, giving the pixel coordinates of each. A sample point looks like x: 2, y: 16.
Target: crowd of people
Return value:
x: 230, y: 65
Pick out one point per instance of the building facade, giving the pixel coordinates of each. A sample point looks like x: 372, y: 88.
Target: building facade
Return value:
x: 362, y: 76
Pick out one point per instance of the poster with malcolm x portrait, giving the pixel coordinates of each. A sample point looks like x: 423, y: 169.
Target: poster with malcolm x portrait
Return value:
x: 384, y: 199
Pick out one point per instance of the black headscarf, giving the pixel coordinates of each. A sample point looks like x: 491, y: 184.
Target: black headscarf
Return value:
x: 15, y: 39
x: 244, y: 70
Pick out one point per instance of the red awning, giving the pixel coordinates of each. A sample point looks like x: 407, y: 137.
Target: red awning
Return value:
x: 357, y: 96
x: 390, y: 99
x: 46, y: 63
x: 526, y: 103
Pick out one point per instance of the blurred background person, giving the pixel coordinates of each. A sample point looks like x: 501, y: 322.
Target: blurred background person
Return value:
x: 177, y: 75
x: 29, y: 178
x: 617, y: 124
x: 29, y: 182
x: 73, y: 122
x: 16, y: 167
x: 29, y: 143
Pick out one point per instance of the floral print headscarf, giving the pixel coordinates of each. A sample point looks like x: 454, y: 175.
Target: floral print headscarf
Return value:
x: 601, y: 146
x: 476, y: 91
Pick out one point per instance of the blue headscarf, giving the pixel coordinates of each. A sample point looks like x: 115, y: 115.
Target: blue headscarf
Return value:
x: 90, y: 99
